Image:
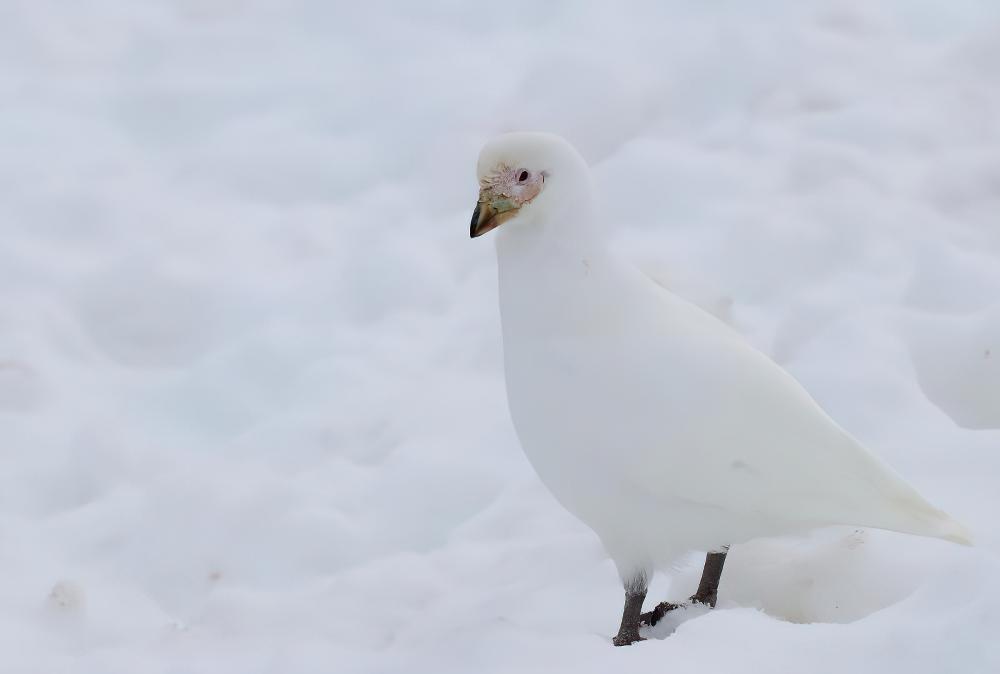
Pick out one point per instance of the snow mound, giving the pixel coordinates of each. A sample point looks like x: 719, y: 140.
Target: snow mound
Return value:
x: 957, y: 360
x: 251, y: 396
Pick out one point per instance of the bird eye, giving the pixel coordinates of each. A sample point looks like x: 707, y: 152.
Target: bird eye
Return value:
x: 522, y: 176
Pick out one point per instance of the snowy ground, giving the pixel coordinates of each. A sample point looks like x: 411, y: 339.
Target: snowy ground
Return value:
x: 251, y: 401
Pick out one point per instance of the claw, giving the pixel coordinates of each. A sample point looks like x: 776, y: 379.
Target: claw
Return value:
x: 652, y: 617
x: 627, y: 639
x: 708, y: 598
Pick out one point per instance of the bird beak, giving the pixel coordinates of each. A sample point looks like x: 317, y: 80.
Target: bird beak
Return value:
x: 491, y: 212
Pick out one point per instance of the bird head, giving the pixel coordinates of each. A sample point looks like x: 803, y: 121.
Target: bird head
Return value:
x: 525, y: 177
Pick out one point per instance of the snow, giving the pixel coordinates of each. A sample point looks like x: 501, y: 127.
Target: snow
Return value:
x: 251, y: 395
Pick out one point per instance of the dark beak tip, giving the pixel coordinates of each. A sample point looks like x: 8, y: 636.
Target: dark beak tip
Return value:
x: 475, y: 223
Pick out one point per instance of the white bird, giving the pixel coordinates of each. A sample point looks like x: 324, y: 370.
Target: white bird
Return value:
x: 650, y: 420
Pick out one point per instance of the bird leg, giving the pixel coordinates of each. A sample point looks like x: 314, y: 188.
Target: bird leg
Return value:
x: 708, y: 588
x: 635, y: 594
x: 707, y: 592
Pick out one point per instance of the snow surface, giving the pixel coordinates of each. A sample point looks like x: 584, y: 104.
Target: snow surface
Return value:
x: 251, y: 396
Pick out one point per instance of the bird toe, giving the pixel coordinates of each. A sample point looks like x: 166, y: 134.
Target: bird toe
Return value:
x: 652, y: 617
x: 627, y: 638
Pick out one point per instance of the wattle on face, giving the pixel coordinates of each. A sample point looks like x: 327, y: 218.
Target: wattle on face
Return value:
x: 502, y: 193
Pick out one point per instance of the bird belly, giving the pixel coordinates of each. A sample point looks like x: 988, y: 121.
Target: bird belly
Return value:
x: 586, y: 434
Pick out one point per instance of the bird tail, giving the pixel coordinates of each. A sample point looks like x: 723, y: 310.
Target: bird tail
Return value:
x: 914, y: 515
x: 950, y: 529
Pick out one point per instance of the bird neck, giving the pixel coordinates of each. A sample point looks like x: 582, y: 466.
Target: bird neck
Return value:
x: 556, y: 278
x: 563, y: 238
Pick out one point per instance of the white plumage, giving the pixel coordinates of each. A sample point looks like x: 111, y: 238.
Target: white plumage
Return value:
x: 650, y: 420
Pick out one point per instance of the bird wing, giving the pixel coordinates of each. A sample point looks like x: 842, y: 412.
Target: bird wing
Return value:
x: 742, y: 434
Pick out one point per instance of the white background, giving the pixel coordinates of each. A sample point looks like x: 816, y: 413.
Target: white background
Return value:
x: 252, y: 415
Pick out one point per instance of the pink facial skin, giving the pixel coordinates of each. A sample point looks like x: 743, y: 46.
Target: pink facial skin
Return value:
x: 501, y: 195
x: 517, y: 186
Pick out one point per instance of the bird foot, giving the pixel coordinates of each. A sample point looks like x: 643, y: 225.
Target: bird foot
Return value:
x: 652, y: 617
x: 706, y: 598
x: 627, y: 637
x: 656, y: 615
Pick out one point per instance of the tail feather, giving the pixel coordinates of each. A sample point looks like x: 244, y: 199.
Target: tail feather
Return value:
x: 916, y: 516
x: 952, y: 530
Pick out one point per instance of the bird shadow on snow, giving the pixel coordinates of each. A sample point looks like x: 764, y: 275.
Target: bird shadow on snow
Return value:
x: 835, y: 575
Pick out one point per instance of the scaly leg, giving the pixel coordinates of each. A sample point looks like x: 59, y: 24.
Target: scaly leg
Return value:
x: 707, y: 592
x: 635, y: 593
x: 708, y: 588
